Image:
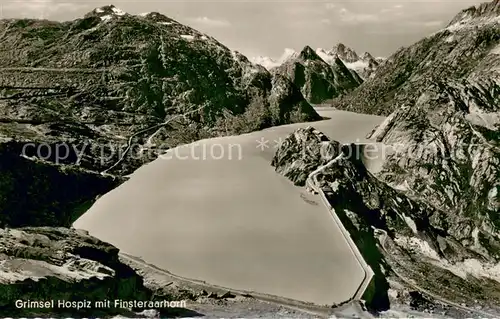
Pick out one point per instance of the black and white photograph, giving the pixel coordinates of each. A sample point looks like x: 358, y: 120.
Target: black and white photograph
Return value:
x: 250, y: 159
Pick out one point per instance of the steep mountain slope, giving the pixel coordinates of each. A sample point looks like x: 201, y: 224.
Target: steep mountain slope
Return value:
x: 446, y: 134
x: 317, y: 80
x: 109, y: 92
x: 447, y: 153
x: 451, y: 54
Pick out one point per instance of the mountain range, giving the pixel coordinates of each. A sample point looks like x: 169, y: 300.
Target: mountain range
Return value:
x: 318, y: 80
x: 364, y: 64
x: 323, y: 75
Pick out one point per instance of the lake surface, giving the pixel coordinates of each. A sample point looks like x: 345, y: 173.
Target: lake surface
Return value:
x: 217, y: 211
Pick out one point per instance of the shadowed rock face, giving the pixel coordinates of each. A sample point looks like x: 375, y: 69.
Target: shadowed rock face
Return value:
x: 449, y: 55
x: 62, y: 264
x: 369, y: 207
x: 37, y: 193
x: 317, y: 80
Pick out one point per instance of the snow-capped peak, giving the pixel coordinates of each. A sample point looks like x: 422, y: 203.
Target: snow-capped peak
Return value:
x: 327, y: 56
x: 480, y: 15
x: 345, y: 53
x: 270, y: 63
x: 108, y: 12
x: 267, y: 62
x: 364, y: 65
x: 288, y: 54
x: 117, y: 11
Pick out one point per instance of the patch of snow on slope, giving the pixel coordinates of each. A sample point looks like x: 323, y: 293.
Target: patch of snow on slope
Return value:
x: 496, y: 50
x: 118, y: 12
x: 411, y: 223
x: 476, y: 269
x: 325, y: 56
x: 469, y: 23
x: 165, y: 23
x: 459, y: 25
x: 106, y: 17
x: 450, y: 39
x: 288, y: 54
x: 468, y: 267
x: 21, y: 269
x: 357, y: 66
x: 266, y: 62
x: 187, y: 37
x: 204, y: 37
x: 478, y: 117
x: 417, y: 245
x: 407, y: 312
x: 144, y: 14
x: 99, y: 10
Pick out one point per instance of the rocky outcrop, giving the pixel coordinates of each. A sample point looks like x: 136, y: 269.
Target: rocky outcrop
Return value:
x: 302, y: 153
x: 317, y: 80
x: 451, y: 55
x: 63, y: 265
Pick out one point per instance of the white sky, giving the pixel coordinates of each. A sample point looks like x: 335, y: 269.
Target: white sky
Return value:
x: 268, y: 27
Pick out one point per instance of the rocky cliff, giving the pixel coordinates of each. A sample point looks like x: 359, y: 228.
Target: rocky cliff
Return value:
x: 446, y: 152
x: 462, y: 49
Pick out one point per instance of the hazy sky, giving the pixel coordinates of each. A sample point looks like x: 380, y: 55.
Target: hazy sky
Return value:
x: 268, y: 27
